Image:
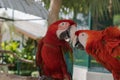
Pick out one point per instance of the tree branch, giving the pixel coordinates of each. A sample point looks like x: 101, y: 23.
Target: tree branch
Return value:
x: 16, y: 56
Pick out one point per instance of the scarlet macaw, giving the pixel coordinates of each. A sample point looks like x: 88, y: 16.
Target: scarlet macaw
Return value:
x: 54, y: 55
x: 103, y: 45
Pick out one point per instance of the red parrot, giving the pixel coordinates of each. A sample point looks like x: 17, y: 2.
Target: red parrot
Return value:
x: 54, y: 55
x: 103, y: 45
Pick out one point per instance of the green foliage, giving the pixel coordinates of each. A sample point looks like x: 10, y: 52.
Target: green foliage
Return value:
x: 96, y: 7
x: 47, y: 3
x: 116, y: 20
x: 27, y: 51
x: 11, y: 46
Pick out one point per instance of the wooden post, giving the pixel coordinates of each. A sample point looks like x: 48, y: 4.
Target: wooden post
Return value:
x: 54, y: 11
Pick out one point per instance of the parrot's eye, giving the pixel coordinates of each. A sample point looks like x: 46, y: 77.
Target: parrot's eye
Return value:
x: 82, y: 34
x: 62, y: 24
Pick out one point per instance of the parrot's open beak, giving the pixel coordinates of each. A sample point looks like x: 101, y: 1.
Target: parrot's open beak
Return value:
x: 77, y: 44
x: 65, y: 35
x: 69, y: 33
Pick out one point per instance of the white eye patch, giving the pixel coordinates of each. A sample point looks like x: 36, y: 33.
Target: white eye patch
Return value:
x: 83, y: 38
x: 72, y: 32
x: 62, y: 27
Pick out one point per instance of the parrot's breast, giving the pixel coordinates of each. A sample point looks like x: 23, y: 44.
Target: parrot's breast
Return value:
x: 52, y: 55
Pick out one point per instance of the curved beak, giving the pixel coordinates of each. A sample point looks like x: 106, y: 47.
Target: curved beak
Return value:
x: 68, y: 33
x: 77, y: 44
x: 73, y: 29
x: 74, y: 41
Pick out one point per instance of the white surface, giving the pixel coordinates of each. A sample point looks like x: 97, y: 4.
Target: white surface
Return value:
x: 30, y: 29
x: 81, y: 73
x: 99, y: 76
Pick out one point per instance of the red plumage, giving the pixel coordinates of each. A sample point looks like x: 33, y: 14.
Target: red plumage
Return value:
x: 104, y: 46
x: 39, y: 61
x: 50, y: 55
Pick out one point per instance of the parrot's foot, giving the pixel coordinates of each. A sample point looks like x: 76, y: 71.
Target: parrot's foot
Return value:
x: 43, y: 77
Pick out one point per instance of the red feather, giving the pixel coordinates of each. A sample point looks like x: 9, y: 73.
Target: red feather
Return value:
x: 104, y: 46
x: 50, y: 56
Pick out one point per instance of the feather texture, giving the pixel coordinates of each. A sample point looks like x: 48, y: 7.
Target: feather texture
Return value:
x: 104, y: 46
x: 54, y: 54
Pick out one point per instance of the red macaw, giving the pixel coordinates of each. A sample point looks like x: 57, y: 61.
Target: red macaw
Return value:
x: 54, y: 55
x: 103, y: 45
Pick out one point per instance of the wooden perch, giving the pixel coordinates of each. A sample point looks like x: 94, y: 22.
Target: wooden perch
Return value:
x: 16, y: 56
x: 4, y: 76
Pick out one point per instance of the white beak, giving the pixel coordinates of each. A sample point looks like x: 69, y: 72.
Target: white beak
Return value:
x: 74, y: 41
x: 72, y: 32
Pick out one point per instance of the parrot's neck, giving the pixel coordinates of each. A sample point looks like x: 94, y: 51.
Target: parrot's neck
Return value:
x: 53, y: 40
x: 93, y: 45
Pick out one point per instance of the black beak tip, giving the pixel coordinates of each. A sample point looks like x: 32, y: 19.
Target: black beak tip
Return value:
x: 79, y: 45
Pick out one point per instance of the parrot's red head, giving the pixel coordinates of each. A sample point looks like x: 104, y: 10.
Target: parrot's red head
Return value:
x: 83, y: 37
x: 63, y: 29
